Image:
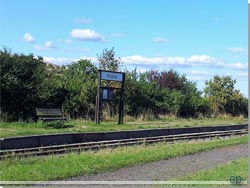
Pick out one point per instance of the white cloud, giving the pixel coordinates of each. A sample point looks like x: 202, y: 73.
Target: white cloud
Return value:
x: 197, y: 61
x: 87, y: 35
x: 237, y: 49
x: 200, y: 59
x: 160, y: 40
x: 66, y: 41
x: 137, y: 59
x: 199, y: 72
x: 192, y: 61
x: 242, y: 75
x: 83, y: 20
x: 28, y: 37
x: 59, y: 60
x: 204, y: 60
x: 198, y: 75
x: 65, y: 60
x: 237, y: 66
x: 47, y: 46
x: 197, y: 78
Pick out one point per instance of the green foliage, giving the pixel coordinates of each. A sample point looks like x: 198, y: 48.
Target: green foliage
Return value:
x: 221, y: 173
x: 7, y: 117
x: 57, y: 124
x: 79, y: 80
x: 61, y: 167
x: 223, y: 97
x: 21, y: 76
x: 153, y: 92
x: 52, y: 93
x: 10, y: 129
x: 108, y: 61
x: 27, y: 82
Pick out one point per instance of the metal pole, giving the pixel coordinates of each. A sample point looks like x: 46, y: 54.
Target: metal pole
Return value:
x: 98, y: 100
x: 96, y: 109
x: 121, y: 105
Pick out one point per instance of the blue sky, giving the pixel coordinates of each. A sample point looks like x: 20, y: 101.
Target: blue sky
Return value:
x: 199, y: 38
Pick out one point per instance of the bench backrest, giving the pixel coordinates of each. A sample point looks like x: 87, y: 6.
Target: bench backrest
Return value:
x: 49, y: 112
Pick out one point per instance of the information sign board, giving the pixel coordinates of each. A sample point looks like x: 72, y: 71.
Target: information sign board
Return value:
x: 105, y: 93
x: 112, y: 76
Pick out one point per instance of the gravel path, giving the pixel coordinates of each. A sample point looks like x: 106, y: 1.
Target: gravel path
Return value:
x: 167, y: 169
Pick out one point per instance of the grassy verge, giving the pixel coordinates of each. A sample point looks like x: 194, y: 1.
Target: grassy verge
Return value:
x: 20, y: 129
x: 70, y: 165
x: 222, y: 172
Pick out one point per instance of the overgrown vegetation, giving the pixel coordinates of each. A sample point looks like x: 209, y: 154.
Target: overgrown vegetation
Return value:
x: 71, y: 165
x: 223, y: 172
x: 56, y: 124
x: 27, y: 82
x: 9, y: 129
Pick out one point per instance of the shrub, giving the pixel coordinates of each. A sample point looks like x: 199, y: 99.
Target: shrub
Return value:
x: 57, y: 124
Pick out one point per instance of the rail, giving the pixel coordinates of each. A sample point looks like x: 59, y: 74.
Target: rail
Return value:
x: 79, y: 147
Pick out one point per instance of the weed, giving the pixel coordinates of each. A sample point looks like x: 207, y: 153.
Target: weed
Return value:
x: 61, y: 167
x: 57, y: 124
x: 221, y: 173
x: 21, y: 128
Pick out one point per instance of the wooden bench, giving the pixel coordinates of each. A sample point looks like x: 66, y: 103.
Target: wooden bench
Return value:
x: 50, y: 114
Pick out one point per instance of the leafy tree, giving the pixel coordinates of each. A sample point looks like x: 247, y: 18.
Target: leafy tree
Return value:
x: 173, y: 100
x: 152, y: 76
x: 21, y: 76
x: 181, y: 96
x: 172, y: 80
x: 27, y: 82
x: 222, y: 95
x: 133, y: 94
x: 238, y: 105
x: 166, y: 79
x: 80, y: 81
x: 108, y: 61
x: 51, y: 91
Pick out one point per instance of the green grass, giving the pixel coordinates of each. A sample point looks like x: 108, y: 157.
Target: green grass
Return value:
x: 70, y: 165
x: 21, y: 129
x: 223, y: 172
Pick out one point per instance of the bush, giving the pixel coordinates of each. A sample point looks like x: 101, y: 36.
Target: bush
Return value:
x: 57, y: 124
x: 7, y: 117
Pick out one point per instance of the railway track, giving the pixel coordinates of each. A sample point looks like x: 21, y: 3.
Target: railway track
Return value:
x: 61, y: 149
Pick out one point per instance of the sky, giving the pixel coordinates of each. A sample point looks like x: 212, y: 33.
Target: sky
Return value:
x: 198, y: 38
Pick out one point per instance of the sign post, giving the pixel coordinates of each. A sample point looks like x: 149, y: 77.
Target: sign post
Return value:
x: 105, y: 93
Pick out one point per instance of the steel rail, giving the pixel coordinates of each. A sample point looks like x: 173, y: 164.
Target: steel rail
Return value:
x: 78, y: 147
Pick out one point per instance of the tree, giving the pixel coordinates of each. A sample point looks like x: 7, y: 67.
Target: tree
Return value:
x: 222, y: 95
x: 181, y: 96
x: 21, y: 76
x: 238, y: 105
x: 51, y: 91
x: 142, y: 97
x: 108, y: 61
x: 27, y: 82
x: 172, y: 80
x: 80, y: 81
